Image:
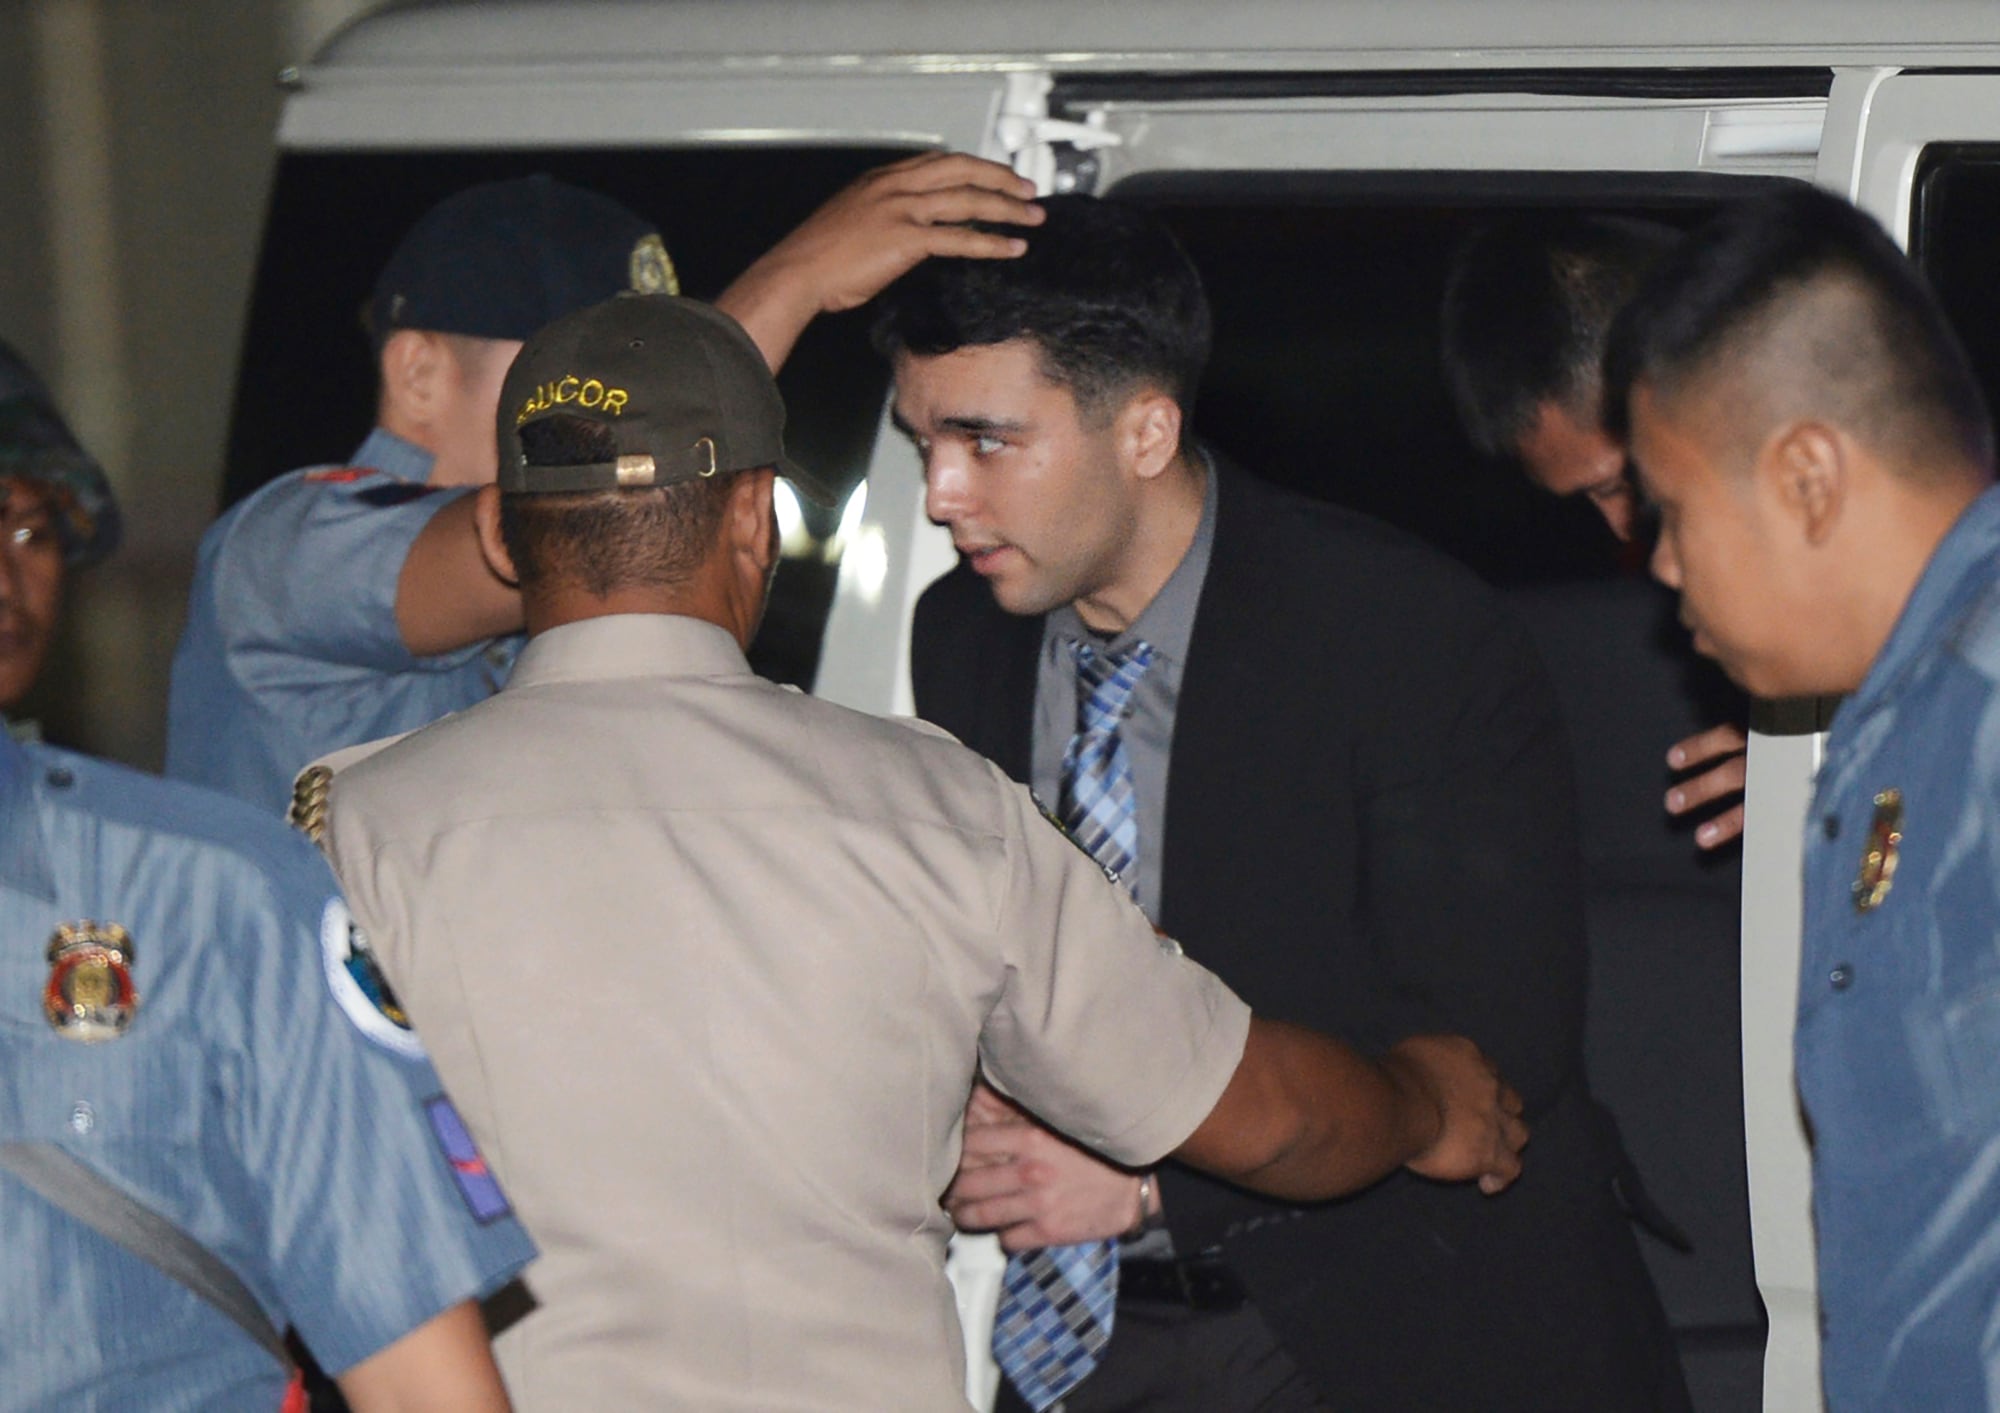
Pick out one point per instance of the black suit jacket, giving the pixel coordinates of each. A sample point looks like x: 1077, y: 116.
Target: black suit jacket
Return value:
x: 1370, y: 831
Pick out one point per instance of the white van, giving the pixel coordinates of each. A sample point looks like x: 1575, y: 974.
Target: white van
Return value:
x: 1320, y: 158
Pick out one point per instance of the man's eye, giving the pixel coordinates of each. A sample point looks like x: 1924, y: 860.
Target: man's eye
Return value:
x: 37, y: 534
x: 987, y: 446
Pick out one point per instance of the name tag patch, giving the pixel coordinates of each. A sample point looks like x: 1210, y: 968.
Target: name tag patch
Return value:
x: 476, y: 1183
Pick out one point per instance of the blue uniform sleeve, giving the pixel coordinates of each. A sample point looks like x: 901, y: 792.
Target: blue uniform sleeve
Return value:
x: 310, y: 568
x: 380, y: 1211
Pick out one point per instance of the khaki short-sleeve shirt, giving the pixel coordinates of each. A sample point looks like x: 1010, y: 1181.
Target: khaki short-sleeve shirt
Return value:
x: 709, y: 966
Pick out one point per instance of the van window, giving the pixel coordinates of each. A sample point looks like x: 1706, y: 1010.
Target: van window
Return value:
x: 306, y: 391
x: 1954, y: 211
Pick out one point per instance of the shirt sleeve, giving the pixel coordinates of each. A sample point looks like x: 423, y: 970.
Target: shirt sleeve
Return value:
x: 311, y: 569
x: 1103, y: 1028
x: 380, y: 1211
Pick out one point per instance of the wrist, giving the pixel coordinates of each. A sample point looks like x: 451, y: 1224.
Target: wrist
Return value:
x: 1420, y: 1107
x: 1150, y: 1217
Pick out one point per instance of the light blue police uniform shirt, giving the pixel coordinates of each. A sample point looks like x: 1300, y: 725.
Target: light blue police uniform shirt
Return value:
x: 291, y: 648
x: 1899, y: 1005
x: 245, y: 1103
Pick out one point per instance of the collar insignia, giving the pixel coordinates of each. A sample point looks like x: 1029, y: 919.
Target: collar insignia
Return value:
x: 1878, y: 858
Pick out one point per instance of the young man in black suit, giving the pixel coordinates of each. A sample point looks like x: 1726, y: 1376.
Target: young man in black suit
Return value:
x: 1349, y: 796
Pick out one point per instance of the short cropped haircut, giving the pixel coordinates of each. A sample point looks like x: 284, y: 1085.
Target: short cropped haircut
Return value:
x: 603, y: 541
x: 1527, y: 306
x: 1891, y: 370
x: 1105, y: 292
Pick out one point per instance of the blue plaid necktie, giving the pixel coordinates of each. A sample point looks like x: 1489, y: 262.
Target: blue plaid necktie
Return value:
x: 1056, y: 1304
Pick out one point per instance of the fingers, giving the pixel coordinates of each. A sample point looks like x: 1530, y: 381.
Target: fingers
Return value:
x: 1505, y: 1165
x: 930, y: 171
x: 1501, y: 1176
x: 1724, y: 779
x: 993, y: 1143
x: 1726, y: 739
x: 959, y: 242
x: 989, y: 1106
x: 970, y: 203
x: 1721, y: 749
x: 1009, y: 1215
x: 1716, y: 832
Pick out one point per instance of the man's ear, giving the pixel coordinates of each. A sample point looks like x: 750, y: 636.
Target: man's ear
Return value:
x: 492, y: 544
x: 1805, y: 465
x: 1148, y: 432
x: 412, y: 363
x: 751, y: 522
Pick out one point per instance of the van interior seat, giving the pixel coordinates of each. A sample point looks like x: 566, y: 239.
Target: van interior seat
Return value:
x: 1663, y: 1038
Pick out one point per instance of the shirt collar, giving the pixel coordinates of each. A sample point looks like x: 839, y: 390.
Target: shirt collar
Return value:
x: 24, y: 862
x: 1167, y: 623
x: 1955, y: 573
x: 629, y: 645
x: 390, y: 454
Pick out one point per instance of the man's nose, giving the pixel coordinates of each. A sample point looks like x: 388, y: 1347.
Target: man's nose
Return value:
x: 1665, y: 567
x: 947, y: 488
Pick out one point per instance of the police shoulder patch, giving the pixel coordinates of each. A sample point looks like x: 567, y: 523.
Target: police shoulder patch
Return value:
x: 358, y: 986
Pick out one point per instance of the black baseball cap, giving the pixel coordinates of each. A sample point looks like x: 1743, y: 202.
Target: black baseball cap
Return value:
x: 37, y: 445
x: 500, y: 260
x: 683, y: 390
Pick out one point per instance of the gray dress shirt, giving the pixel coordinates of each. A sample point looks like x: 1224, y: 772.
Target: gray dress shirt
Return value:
x: 1167, y: 623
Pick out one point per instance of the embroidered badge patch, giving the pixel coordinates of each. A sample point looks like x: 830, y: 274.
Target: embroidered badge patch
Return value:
x: 476, y: 1183
x: 359, y: 987
x: 1879, y: 855
x: 337, y: 475
x: 90, y: 995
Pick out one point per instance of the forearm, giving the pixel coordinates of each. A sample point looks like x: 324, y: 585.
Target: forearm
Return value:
x: 447, y: 596
x: 774, y: 303
x: 442, y: 1366
x: 1307, y: 1118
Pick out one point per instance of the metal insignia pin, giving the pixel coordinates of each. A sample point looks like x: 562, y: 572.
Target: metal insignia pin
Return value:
x: 90, y: 995
x: 1880, y: 853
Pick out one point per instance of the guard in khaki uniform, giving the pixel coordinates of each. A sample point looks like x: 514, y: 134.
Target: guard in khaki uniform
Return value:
x: 711, y: 966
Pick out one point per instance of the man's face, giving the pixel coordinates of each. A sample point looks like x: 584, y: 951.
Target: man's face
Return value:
x: 31, y: 579
x: 1724, y: 545
x: 1031, y: 490
x: 1569, y: 456
x: 469, y: 405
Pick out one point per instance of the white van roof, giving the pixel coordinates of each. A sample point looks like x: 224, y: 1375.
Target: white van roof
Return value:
x: 770, y: 36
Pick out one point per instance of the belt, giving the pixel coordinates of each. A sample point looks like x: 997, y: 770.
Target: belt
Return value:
x: 1200, y: 1282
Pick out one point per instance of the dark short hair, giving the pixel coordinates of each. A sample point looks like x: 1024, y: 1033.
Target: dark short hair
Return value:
x: 1527, y: 305
x: 1898, y: 377
x: 602, y: 541
x: 1104, y: 291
